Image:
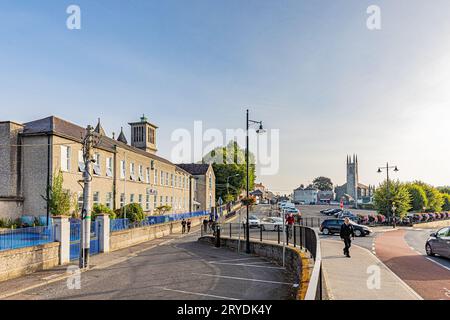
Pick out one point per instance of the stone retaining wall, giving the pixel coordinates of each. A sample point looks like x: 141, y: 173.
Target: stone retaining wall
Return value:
x: 18, y: 262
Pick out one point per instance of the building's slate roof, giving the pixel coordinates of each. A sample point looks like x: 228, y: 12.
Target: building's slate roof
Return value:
x: 195, y: 169
x: 257, y: 192
x: 55, y: 125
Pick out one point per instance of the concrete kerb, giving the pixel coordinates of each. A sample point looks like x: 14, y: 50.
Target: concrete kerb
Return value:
x: 307, y: 264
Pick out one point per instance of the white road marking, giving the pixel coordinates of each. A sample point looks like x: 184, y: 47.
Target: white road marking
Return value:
x: 438, y: 263
x: 199, y: 294
x: 246, y: 265
x: 244, y: 279
x: 230, y: 260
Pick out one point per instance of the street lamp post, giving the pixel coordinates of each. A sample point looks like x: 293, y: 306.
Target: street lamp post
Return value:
x: 380, y: 169
x: 260, y: 130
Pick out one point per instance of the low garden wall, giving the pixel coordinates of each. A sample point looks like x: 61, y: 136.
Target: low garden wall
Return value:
x: 126, y: 238
x: 18, y: 262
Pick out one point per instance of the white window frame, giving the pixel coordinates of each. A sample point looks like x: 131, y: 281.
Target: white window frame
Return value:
x: 109, y: 167
x: 97, y: 167
x: 123, y: 169
x: 65, y: 158
x: 96, y: 194
x: 81, y: 165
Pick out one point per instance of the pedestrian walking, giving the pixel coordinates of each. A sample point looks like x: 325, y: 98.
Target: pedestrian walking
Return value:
x: 210, y: 224
x: 188, y: 225
x: 183, y: 226
x: 290, y: 220
x: 347, y: 231
x: 205, y: 225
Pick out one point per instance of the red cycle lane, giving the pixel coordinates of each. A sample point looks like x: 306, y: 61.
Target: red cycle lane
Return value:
x: 428, y: 279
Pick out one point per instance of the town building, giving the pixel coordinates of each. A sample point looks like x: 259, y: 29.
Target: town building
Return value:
x: 205, y: 182
x: 306, y: 195
x: 353, y: 190
x: 123, y: 173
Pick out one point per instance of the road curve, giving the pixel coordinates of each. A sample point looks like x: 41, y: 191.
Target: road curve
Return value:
x: 430, y: 280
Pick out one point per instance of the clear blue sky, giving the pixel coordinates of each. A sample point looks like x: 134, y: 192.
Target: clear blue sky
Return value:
x: 309, y: 68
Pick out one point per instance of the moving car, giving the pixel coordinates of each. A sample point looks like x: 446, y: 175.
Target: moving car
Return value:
x: 253, y: 222
x: 271, y: 224
x: 439, y: 243
x: 331, y: 226
x: 331, y: 211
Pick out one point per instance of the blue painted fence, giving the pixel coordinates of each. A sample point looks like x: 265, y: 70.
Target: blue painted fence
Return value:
x: 26, y: 237
x: 124, y: 224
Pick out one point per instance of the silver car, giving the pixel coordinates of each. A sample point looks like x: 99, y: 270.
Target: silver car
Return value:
x: 439, y: 243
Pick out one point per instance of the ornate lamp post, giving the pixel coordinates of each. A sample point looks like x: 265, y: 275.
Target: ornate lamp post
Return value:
x: 259, y: 130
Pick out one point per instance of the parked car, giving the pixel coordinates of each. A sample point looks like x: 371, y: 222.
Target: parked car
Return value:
x: 292, y: 210
x: 439, y: 243
x: 346, y: 214
x: 253, y: 222
x: 271, y: 224
x: 331, y: 226
x: 330, y: 211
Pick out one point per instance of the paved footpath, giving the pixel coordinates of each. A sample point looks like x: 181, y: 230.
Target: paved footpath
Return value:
x: 430, y: 279
x: 354, y: 278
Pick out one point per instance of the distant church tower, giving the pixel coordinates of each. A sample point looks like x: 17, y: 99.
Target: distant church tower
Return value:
x: 352, y: 176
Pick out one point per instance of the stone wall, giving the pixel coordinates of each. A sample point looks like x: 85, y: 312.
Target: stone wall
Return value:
x: 129, y: 237
x: 18, y: 262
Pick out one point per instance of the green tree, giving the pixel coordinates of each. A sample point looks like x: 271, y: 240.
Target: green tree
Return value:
x: 418, y: 195
x: 446, y: 202
x: 398, y: 197
x: 444, y: 189
x: 133, y: 212
x: 323, y: 183
x: 163, y: 209
x: 59, y: 200
x: 101, y: 208
x: 229, y: 162
x: 435, y: 200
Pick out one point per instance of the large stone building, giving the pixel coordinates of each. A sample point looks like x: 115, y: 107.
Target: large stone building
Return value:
x: 205, y: 191
x: 31, y: 153
x: 353, y: 190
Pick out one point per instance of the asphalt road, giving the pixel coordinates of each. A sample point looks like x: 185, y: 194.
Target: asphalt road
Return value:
x: 184, y: 269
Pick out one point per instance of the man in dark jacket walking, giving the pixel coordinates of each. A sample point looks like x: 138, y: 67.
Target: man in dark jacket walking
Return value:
x: 183, y: 226
x: 347, y: 232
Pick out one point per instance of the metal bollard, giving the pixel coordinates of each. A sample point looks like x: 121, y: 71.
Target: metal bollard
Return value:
x: 260, y: 234
x: 278, y: 229
x: 301, y: 237
x: 295, y: 237
x: 218, y: 237
x: 230, y: 231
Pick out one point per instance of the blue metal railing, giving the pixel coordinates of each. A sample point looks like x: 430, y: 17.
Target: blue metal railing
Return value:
x: 119, y: 224
x: 123, y: 224
x: 26, y: 237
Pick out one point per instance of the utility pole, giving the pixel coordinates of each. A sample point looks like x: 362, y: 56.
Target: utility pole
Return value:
x: 85, y: 240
